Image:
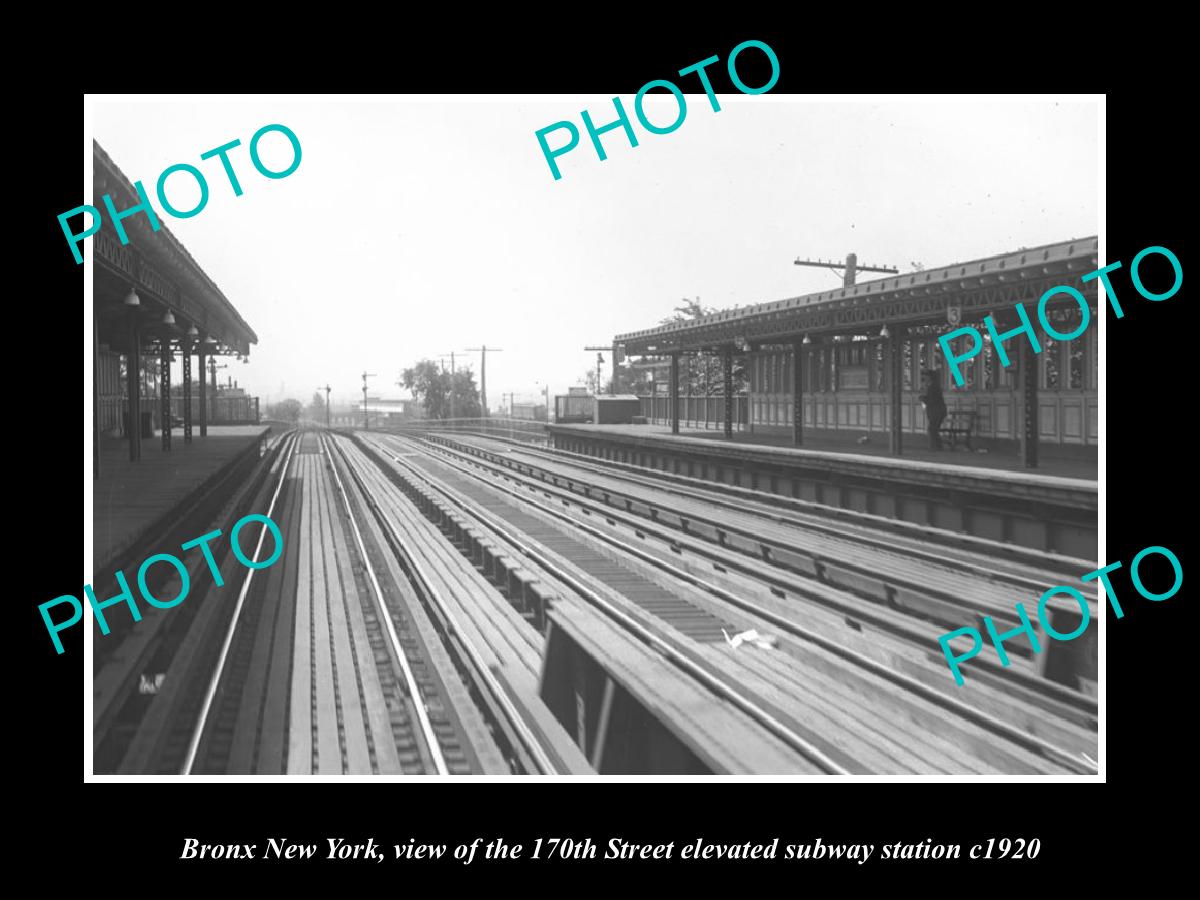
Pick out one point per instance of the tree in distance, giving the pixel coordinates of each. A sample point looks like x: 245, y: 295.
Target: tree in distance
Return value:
x: 285, y: 411
x: 316, y: 408
x: 700, y: 375
x: 431, y: 386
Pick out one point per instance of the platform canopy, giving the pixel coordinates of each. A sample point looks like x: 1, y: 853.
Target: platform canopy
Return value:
x: 163, y: 274
x: 964, y: 291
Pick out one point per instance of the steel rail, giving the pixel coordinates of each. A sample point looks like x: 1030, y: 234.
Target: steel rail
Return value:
x: 410, y: 681
x: 480, y: 669
x: 1051, y: 691
x: 211, y: 692
x: 1032, y: 743
x: 715, y: 684
x: 801, y: 519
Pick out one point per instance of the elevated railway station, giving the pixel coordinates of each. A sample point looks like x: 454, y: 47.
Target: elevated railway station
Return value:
x: 514, y: 597
x: 462, y: 602
x: 157, y: 447
x: 845, y: 365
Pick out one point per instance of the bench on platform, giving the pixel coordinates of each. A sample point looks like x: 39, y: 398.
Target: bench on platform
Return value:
x: 959, y: 426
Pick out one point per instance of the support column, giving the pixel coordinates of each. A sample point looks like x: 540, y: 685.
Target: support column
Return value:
x: 674, y: 393
x: 164, y: 391
x: 727, y: 363
x: 203, y: 389
x: 133, y: 387
x: 1028, y: 362
x: 95, y: 398
x: 616, y: 378
x: 797, y: 393
x: 186, y: 347
x: 895, y: 376
x: 482, y: 383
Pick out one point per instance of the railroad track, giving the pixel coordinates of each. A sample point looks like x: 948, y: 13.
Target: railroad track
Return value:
x: 913, y: 600
x: 991, y: 560
x: 132, y: 728
x: 414, y: 718
x: 378, y: 646
x: 523, y: 747
x: 469, y: 487
x: 328, y: 662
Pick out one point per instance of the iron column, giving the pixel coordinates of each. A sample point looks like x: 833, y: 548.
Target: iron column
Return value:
x: 203, y: 387
x: 186, y: 347
x: 675, y: 393
x: 797, y: 393
x: 727, y: 361
x: 164, y: 390
x: 895, y: 371
x: 1028, y: 363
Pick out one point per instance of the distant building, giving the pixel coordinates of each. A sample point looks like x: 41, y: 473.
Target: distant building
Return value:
x: 535, y: 412
x: 387, y: 411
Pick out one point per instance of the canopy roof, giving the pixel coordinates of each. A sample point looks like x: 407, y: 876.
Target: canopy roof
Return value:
x: 976, y: 288
x: 159, y: 268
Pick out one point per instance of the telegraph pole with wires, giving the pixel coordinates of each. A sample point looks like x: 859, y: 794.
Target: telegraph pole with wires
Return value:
x: 850, y: 266
x: 483, y: 352
x: 366, y: 419
x: 450, y: 357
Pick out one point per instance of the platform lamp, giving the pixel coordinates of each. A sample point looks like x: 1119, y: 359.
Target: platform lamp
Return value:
x: 132, y: 302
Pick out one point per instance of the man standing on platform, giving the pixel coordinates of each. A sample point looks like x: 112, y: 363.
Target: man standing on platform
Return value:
x: 935, y: 405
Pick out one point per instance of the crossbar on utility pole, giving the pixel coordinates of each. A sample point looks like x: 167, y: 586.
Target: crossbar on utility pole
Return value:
x: 850, y: 267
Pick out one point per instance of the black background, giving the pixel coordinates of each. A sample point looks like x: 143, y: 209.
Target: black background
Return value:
x: 131, y: 831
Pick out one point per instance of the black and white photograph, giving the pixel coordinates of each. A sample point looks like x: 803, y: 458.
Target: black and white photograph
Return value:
x: 411, y: 460
x: 530, y: 436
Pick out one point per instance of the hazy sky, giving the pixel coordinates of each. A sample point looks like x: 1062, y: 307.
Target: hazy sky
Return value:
x: 416, y: 228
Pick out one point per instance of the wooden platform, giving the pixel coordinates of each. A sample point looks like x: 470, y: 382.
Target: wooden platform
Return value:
x: 131, y: 499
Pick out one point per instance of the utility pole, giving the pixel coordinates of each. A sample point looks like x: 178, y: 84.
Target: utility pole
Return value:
x: 599, y: 363
x: 326, y: 389
x: 851, y: 268
x: 366, y: 419
x: 451, y: 380
x: 483, y: 352
x: 545, y: 391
